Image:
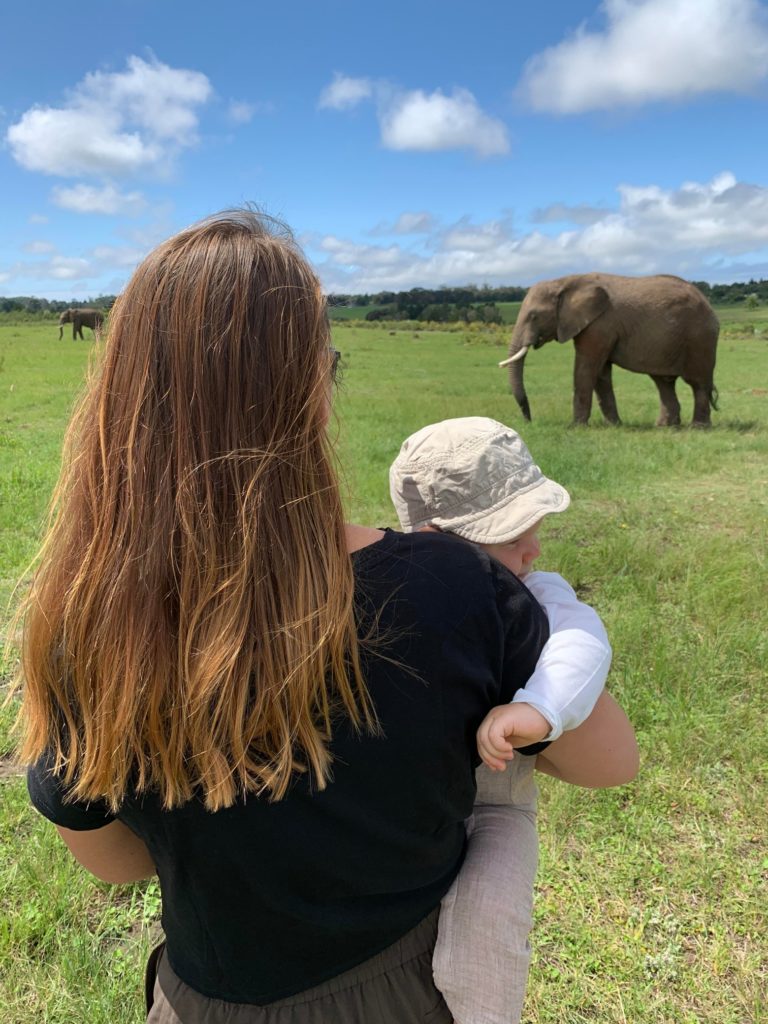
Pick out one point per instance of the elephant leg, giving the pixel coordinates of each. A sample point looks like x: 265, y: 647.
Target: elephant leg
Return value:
x: 585, y: 373
x: 669, y: 412
x: 701, y: 416
x: 605, y: 395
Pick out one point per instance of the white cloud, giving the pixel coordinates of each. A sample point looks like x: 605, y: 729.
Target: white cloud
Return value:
x: 407, y: 223
x: 117, y: 256
x: 344, y: 92
x: 350, y: 254
x: 240, y: 112
x: 114, y: 123
x: 65, y: 268
x: 699, y: 230
x: 582, y: 213
x: 467, y: 237
x: 98, y: 199
x: 414, y: 223
x: 58, y: 268
x: 40, y: 247
x: 427, y: 122
x: 652, y: 50
x: 416, y: 120
x: 88, y: 270
x: 37, y: 218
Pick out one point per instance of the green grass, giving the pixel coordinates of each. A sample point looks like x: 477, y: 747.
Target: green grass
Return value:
x: 651, y: 898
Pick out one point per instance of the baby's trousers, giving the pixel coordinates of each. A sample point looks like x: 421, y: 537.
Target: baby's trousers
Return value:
x: 482, y: 953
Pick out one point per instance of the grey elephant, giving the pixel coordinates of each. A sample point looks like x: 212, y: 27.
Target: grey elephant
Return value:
x: 80, y: 318
x: 662, y: 326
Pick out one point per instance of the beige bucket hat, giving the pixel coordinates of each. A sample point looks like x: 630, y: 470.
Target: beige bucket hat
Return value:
x: 474, y: 477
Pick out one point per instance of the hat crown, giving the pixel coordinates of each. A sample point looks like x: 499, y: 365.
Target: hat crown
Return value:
x: 469, y: 475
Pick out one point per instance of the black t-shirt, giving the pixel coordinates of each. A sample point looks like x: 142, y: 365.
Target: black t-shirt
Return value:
x: 263, y: 900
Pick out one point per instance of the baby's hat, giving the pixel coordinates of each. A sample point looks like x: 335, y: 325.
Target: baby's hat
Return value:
x: 474, y: 477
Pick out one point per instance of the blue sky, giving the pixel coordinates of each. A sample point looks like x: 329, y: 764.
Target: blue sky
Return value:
x: 407, y: 144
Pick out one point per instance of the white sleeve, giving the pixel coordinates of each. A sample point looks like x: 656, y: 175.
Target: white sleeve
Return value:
x: 573, y: 665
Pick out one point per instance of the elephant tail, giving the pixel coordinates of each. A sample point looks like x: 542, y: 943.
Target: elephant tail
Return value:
x: 713, y: 396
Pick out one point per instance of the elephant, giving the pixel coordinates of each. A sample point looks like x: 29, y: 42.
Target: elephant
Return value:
x: 80, y: 318
x: 660, y: 325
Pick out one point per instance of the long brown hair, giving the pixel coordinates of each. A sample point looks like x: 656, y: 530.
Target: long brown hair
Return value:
x: 191, y: 626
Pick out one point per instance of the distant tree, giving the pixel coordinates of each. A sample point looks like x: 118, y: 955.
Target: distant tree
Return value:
x: 752, y: 301
x: 435, y: 312
x: 703, y: 287
x: 389, y: 312
x: 490, y: 313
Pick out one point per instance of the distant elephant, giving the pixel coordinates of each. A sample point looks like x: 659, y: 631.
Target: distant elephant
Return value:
x: 80, y: 318
x: 662, y: 326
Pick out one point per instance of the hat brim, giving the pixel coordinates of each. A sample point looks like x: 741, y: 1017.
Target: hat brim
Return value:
x: 510, y: 518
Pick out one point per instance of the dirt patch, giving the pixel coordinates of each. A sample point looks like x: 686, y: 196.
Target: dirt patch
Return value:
x: 9, y: 768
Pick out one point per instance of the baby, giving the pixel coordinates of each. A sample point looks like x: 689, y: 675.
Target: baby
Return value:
x: 476, y: 478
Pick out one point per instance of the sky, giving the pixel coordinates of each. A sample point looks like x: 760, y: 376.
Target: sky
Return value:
x: 407, y: 145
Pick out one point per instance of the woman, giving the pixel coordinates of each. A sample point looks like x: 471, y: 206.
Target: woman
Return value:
x: 227, y: 685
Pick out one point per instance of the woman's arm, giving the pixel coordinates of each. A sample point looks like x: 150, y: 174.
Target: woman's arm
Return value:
x: 601, y: 752
x: 112, y: 853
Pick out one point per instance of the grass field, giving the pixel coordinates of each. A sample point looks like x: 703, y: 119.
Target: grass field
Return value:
x: 651, y: 898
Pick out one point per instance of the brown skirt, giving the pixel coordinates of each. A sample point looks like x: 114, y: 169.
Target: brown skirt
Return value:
x: 393, y: 987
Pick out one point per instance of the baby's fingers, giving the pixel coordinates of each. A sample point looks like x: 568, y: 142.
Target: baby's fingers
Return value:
x: 494, y: 763
x: 497, y: 739
x: 494, y: 759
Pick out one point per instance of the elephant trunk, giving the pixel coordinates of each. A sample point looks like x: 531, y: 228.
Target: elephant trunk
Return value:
x: 517, y: 387
x: 61, y: 331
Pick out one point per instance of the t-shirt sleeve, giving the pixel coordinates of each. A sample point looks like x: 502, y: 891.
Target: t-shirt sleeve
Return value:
x: 49, y: 796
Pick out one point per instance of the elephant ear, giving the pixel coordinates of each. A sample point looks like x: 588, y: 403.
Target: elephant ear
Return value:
x: 579, y: 305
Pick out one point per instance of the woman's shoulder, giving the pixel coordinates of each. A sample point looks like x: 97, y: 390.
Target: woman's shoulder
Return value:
x: 359, y: 537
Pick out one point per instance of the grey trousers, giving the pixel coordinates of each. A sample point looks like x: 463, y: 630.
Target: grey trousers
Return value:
x: 394, y: 987
x: 482, y: 954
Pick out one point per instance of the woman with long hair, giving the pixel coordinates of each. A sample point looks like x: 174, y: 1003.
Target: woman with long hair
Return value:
x: 227, y: 685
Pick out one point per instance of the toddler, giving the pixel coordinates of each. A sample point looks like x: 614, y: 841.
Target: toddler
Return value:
x: 476, y: 478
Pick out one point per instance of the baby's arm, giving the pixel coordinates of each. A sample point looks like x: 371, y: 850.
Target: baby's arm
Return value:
x: 566, y: 683
x: 571, y: 671
x: 508, y: 726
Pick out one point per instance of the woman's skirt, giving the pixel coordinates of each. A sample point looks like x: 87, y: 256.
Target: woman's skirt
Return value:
x: 393, y: 987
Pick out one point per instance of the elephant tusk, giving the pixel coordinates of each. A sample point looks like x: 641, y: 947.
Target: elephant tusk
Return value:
x: 513, y: 359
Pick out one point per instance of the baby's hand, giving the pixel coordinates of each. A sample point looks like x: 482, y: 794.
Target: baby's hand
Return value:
x: 508, y: 726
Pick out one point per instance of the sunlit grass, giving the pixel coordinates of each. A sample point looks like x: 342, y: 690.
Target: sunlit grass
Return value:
x: 650, y: 898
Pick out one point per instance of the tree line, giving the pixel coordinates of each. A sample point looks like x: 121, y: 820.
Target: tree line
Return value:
x: 45, y: 307
x: 479, y: 303
x: 732, y: 294
x: 469, y: 302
